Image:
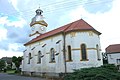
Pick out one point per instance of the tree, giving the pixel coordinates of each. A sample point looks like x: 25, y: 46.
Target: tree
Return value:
x: 105, y: 58
x: 17, y: 61
x: 105, y: 72
x: 2, y: 65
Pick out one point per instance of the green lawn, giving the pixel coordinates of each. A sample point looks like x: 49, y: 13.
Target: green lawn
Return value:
x: 10, y: 71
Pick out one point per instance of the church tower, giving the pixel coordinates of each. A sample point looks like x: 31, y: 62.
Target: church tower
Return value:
x: 38, y: 25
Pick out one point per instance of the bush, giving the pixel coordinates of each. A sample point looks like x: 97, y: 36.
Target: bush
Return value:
x: 5, y: 70
x: 105, y: 72
x: 17, y: 71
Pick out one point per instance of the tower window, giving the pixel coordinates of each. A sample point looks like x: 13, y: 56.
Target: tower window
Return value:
x: 83, y: 52
x: 39, y: 56
x: 52, y: 55
x: 69, y: 53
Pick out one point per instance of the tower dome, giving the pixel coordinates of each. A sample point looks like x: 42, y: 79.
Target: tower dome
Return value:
x: 39, y: 11
x: 38, y: 19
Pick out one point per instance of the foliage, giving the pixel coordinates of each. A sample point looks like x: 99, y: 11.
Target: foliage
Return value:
x: 105, y: 72
x: 17, y: 71
x: 2, y: 65
x: 9, y: 67
x: 17, y: 61
x: 105, y: 58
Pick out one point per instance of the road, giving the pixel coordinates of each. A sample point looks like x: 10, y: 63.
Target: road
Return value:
x: 4, y: 76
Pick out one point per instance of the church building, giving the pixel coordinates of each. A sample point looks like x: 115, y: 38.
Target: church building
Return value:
x: 73, y: 46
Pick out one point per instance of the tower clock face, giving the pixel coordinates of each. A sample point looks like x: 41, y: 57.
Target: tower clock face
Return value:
x: 42, y: 28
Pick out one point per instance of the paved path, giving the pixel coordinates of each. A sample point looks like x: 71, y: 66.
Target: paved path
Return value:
x: 4, y: 76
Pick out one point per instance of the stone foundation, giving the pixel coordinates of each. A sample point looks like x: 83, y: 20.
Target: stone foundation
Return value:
x: 42, y: 74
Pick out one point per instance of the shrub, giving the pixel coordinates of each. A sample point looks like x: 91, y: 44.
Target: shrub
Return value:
x: 105, y: 72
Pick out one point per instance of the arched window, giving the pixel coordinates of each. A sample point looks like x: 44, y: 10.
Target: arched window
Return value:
x: 29, y: 57
x: 39, y: 56
x: 52, y: 55
x: 98, y: 52
x: 69, y: 53
x: 83, y: 52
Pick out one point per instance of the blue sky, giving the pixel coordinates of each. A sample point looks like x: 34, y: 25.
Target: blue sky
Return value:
x: 16, y: 15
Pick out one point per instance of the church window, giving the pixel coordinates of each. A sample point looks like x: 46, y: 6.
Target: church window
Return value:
x: 69, y: 53
x: 98, y: 52
x: 83, y: 52
x: 39, y: 56
x: 52, y: 55
x: 29, y: 57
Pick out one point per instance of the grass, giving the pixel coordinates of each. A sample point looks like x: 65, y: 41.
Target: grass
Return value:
x: 10, y: 71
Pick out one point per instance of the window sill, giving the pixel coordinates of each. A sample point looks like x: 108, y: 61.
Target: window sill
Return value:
x: 84, y: 60
x: 38, y: 62
x: 69, y: 60
x: 52, y: 62
x: 99, y: 59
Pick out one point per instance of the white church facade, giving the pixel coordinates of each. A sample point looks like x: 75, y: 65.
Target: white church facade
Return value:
x: 72, y: 46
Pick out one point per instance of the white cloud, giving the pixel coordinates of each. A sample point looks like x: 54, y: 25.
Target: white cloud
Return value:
x: 14, y: 3
x: 20, y: 23
x: 4, y: 53
x: 13, y: 47
x: 3, y: 20
x: 3, y: 34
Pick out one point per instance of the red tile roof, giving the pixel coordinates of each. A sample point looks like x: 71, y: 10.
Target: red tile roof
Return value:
x: 115, y: 48
x: 79, y: 25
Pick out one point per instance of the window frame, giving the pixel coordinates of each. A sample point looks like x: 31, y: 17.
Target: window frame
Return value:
x: 52, y: 55
x: 29, y: 58
x: 39, y: 57
x: 83, y: 47
x: 69, y: 53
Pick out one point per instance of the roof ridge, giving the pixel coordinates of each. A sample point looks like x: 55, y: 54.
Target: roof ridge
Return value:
x: 75, y: 24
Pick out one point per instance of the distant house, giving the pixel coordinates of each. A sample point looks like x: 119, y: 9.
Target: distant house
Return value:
x: 8, y: 62
x: 113, y: 52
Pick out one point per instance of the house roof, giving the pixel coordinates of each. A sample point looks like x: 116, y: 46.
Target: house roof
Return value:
x: 7, y: 59
x: 79, y: 25
x: 115, y: 48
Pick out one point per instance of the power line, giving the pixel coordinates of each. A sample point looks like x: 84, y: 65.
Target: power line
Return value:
x: 62, y: 5
x: 71, y: 3
x: 77, y: 4
x: 69, y: 7
x: 46, y: 6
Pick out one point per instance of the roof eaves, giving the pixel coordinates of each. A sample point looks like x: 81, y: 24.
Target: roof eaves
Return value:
x: 30, y: 42
x: 112, y: 52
